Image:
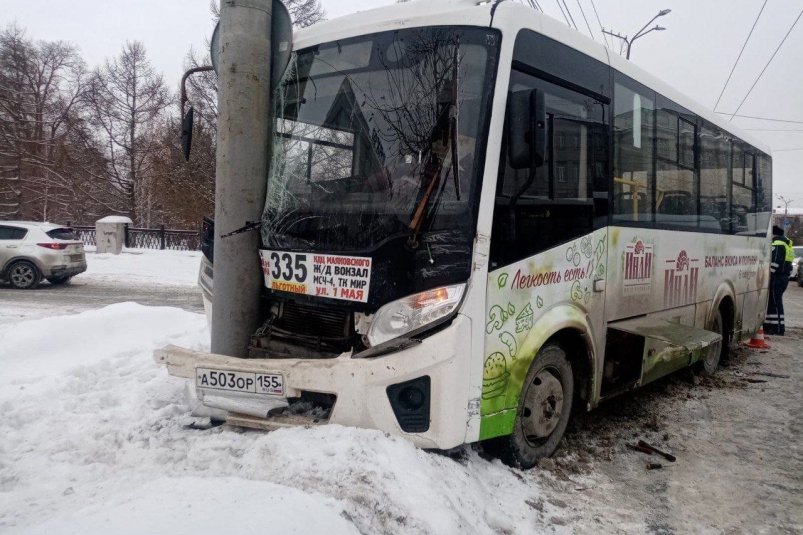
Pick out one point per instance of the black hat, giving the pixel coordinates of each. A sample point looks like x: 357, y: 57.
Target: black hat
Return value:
x: 777, y: 231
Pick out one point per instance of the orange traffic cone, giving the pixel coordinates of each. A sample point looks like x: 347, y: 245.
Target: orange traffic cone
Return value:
x: 758, y: 341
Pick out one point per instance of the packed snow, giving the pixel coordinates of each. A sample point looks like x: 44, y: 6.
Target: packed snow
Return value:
x: 115, y: 219
x: 95, y: 439
x: 145, y: 266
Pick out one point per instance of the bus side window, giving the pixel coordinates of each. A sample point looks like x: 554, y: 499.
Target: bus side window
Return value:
x: 541, y: 207
x: 743, y: 204
x: 676, y: 188
x: 634, y: 112
x: 715, y: 201
x: 763, y: 181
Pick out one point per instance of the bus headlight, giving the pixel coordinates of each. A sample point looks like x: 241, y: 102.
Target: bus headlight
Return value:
x: 414, y: 312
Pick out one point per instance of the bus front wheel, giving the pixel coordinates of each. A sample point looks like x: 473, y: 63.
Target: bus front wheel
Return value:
x: 544, y: 408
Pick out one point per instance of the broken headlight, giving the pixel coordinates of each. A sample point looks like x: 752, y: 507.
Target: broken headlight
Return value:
x: 414, y: 312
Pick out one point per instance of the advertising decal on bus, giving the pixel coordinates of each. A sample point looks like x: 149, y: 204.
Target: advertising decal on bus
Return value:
x: 680, y: 280
x: 638, y: 268
x: 518, y: 296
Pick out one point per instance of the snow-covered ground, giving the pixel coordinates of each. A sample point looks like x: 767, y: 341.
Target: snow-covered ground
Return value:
x: 95, y: 439
x: 179, y: 268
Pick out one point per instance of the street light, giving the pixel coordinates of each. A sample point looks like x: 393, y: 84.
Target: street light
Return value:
x: 786, y: 203
x: 642, y: 33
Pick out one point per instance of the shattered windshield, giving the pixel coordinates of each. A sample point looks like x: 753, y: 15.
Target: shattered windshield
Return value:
x: 378, y: 137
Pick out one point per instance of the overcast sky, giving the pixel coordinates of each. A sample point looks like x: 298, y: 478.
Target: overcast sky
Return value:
x: 695, y: 53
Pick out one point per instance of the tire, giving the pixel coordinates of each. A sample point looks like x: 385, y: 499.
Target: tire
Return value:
x: 717, y: 352
x: 56, y: 281
x: 23, y: 275
x: 799, y: 280
x: 545, y: 406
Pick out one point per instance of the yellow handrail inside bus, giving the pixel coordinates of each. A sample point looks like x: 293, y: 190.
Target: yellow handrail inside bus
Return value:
x: 634, y: 189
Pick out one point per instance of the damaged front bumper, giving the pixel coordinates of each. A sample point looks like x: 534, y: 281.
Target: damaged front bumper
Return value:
x: 364, y: 391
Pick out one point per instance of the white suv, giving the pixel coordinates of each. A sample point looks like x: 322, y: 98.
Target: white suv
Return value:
x: 30, y: 252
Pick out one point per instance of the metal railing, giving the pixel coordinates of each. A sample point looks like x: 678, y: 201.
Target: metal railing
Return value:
x: 85, y: 233
x: 147, y: 238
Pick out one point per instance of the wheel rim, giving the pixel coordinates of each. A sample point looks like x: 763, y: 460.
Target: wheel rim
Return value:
x: 543, y: 404
x: 23, y: 275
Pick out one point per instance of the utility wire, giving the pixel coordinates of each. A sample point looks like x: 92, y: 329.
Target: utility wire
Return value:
x: 583, y: 13
x: 786, y: 150
x: 562, y: 13
x: 767, y: 65
x: 760, y: 118
x: 740, y: 53
x: 569, y: 11
x: 601, y: 29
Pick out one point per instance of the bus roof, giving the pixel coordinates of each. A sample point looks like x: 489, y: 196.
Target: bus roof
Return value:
x: 508, y: 17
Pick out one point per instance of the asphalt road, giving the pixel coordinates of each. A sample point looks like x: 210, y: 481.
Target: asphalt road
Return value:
x: 80, y: 295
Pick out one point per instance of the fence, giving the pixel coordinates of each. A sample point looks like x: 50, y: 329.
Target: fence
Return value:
x: 147, y: 238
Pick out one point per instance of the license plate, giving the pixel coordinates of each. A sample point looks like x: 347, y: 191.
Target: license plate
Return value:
x: 233, y: 381
x: 76, y: 257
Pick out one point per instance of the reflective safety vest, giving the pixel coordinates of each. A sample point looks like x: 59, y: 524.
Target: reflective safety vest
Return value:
x: 778, y: 265
x: 790, y: 253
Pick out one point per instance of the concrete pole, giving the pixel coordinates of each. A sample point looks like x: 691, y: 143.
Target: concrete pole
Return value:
x: 243, y: 142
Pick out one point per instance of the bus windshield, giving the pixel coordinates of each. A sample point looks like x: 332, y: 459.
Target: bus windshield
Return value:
x: 377, y: 137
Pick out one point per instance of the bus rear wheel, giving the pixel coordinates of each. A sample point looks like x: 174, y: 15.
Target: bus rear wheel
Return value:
x: 717, y: 351
x: 544, y: 409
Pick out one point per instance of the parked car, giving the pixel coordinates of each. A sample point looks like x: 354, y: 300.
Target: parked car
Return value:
x: 796, y: 265
x: 31, y: 251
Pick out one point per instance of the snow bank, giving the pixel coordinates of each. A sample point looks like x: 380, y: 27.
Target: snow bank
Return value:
x: 34, y: 353
x: 94, y: 439
x: 198, y: 505
x: 148, y: 266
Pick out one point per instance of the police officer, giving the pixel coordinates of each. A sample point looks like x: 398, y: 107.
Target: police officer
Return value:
x: 780, y: 268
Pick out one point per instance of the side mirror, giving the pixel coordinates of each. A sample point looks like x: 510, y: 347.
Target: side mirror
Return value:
x: 526, y: 129
x: 186, y: 133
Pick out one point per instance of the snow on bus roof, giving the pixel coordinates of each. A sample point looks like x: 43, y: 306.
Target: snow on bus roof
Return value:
x: 509, y: 17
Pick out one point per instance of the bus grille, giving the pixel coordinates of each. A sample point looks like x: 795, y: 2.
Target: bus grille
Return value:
x: 326, y: 331
x: 312, y: 321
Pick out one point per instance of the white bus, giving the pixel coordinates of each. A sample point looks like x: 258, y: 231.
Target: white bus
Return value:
x: 478, y: 219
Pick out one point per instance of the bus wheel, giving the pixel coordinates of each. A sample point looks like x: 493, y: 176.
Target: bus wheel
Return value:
x: 544, y: 408
x: 710, y: 361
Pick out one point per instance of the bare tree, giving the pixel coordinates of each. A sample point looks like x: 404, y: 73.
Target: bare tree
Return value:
x: 303, y: 12
x: 41, y: 106
x: 128, y: 98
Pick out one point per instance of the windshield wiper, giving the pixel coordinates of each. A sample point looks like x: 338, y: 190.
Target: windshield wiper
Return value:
x: 249, y: 226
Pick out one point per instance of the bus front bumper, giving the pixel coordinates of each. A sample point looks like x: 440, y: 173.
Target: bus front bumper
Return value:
x: 361, y: 387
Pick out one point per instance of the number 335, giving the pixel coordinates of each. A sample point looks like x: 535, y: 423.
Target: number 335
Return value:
x: 283, y: 266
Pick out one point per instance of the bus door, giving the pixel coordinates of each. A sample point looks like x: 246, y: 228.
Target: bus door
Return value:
x: 548, y: 242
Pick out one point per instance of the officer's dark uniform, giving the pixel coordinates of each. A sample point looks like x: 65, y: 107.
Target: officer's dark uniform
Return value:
x: 780, y: 270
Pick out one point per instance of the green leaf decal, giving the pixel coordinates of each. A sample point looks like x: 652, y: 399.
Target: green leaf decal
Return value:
x: 502, y: 280
x: 539, y: 302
